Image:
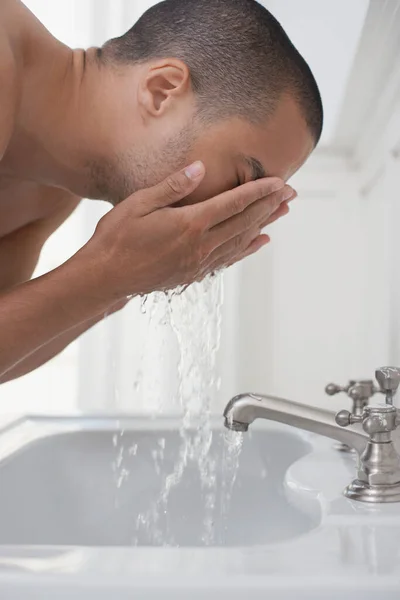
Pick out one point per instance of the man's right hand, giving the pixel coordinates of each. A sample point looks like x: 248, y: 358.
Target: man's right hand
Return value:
x: 147, y: 244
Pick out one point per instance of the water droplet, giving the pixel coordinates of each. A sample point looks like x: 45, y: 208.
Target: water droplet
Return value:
x: 143, y: 304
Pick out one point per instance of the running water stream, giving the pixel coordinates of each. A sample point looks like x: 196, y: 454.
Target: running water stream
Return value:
x: 195, y: 315
x: 233, y: 443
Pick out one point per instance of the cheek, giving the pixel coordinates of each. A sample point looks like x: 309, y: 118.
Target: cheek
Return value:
x: 215, y: 182
x: 207, y: 190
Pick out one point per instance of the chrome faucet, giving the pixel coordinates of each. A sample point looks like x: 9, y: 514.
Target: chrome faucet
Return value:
x: 241, y: 411
x: 378, y: 475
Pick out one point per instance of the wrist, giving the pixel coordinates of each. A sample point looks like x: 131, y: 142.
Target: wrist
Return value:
x: 94, y: 272
x: 88, y: 291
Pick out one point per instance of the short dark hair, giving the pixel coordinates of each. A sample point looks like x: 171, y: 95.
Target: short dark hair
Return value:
x: 240, y: 59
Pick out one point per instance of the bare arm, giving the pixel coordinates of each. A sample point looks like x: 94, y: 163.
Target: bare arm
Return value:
x: 19, y: 254
x: 35, y: 314
x: 54, y: 348
x: 47, y: 352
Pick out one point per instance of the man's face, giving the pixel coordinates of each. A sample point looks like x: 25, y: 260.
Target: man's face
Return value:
x: 234, y: 151
x: 237, y: 151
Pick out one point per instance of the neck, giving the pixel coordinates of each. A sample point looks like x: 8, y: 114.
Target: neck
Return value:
x: 48, y: 141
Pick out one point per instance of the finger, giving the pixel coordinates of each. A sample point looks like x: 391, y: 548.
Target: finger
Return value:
x: 252, y: 218
x: 227, y: 205
x: 255, y: 246
x: 282, y: 211
x: 227, y: 252
x: 226, y: 261
x: 174, y: 188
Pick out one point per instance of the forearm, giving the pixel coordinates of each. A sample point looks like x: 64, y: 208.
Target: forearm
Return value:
x: 47, y: 352
x: 56, y: 346
x: 37, y: 313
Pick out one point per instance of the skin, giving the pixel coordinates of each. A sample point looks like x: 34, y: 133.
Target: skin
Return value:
x: 73, y: 126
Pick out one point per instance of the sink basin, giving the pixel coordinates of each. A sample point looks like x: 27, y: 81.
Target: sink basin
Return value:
x: 83, y: 484
x: 83, y: 516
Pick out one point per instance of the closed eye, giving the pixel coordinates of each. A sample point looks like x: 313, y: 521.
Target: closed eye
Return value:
x: 256, y: 168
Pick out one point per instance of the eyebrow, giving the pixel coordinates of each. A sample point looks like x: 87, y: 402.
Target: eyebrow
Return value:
x: 257, y: 170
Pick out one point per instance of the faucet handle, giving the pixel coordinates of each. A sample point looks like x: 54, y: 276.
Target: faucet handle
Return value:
x: 389, y: 381
x: 376, y: 420
x: 332, y: 388
x: 344, y: 418
x: 362, y: 389
x: 360, y: 392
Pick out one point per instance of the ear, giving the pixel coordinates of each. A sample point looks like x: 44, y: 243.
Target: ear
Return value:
x: 161, y: 84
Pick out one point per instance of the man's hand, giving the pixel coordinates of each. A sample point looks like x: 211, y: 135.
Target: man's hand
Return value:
x: 147, y: 244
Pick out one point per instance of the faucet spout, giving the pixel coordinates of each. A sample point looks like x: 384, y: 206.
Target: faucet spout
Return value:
x: 242, y: 410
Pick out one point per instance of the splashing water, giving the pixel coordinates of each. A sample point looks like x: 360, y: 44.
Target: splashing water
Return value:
x: 121, y: 473
x: 195, y: 317
x: 194, y: 314
x: 143, y: 304
x: 232, y: 448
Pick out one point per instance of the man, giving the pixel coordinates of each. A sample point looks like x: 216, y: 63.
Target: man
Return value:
x: 214, y: 84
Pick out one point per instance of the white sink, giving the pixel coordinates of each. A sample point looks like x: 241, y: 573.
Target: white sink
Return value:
x: 68, y: 531
x: 60, y: 488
